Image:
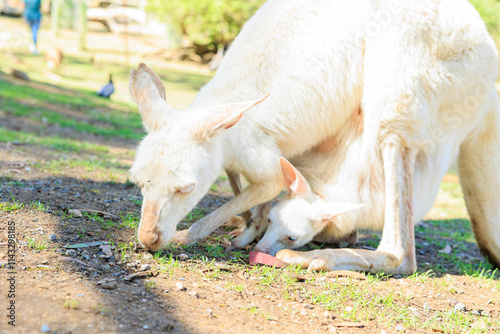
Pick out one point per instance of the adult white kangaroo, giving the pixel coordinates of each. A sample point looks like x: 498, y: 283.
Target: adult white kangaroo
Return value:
x: 416, y: 79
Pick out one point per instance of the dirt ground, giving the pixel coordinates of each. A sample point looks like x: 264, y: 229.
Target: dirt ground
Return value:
x: 85, y: 291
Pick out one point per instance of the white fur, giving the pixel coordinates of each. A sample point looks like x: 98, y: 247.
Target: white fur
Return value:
x: 424, y: 80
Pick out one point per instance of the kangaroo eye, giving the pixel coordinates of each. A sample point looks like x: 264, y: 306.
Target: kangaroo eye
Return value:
x: 292, y: 239
x: 268, y: 221
x: 186, y: 190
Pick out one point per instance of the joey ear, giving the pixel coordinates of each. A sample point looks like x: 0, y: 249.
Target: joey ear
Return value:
x: 148, y: 92
x: 294, y: 181
x: 222, y: 117
x: 329, y: 210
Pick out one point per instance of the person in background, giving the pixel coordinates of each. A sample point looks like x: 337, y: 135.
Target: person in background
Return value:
x: 33, y: 17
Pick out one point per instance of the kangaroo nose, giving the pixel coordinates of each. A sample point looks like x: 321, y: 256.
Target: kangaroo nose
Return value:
x: 150, y: 239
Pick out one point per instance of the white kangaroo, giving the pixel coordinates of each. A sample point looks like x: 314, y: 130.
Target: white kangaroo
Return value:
x: 415, y: 79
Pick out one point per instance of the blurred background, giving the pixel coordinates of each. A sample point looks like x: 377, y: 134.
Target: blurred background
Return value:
x: 81, y: 42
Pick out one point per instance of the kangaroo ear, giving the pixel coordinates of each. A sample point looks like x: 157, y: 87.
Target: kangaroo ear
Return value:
x: 294, y: 181
x: 221, y: 118
x: 329, y: 210
x: 148, y: 92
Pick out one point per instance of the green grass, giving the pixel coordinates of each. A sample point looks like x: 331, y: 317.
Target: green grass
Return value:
x: 54, y: 142
x: 11, y: 206
x: 37, y: 245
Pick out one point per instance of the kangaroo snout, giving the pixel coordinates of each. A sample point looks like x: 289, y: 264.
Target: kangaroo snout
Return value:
x: 149, y: 234
x: 150, y: 239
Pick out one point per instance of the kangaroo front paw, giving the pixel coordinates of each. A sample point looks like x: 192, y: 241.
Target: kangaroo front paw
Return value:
x: 318, y: 265
x: 292, y: 257
x: 181, y: 238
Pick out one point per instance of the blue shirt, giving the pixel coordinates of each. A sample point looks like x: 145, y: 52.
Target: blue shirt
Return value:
x: 32, y: 10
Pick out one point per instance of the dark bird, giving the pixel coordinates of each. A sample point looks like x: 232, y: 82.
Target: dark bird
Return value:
x: 107, y: 89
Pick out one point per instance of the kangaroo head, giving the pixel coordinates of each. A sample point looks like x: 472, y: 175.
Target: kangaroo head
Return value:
x: 179, y: 159
x: 295, y: 220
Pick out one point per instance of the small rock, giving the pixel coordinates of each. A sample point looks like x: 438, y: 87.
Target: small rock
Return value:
x: 109, y: 285
x: 45, y: 328
x: 484, y: 313
x: 332, y: 329
x: 446, y: 249
x: 182, y: 279
x: 400, y: 328
x: 210, y: 312
x: 348, y: 309
x: 310, y: 307
x: 70, y: 252
x: 183, y: 256
x: 397, y: 276
x: 147, y: 256
x: 452, y: 301
x: 414, y: 310
x: 383, y: 331
x: 180, y: 286
x: 146, y: 327
x: 460, y: 292
x: 137, y: 262
x: 194, y: 294
x: 167, y: 327
x: 145, y: 267
x: 426, y: 307
x: 76, y: 213
x: 53, y: 237
x: 459, y: 307
x: 130, y: 264
x: 105, y: 267
x: 86, y: 256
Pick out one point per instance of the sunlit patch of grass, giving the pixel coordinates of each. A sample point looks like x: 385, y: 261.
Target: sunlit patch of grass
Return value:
x: 57, y: 143
x: 37, y: 245
x: 12, y: 206
x: 39, y: 206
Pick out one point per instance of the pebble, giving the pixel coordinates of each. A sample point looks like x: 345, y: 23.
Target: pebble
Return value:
x: 76, y: 213
x: 137, y: 262
x: 53, y: 237
x: 130, y: 265
x: 383, y: 331
x: 45, y: 328
x: 446, y: 249
x: 71, y: 252
x: 182, y: 279
x: 105, y: 267
x: 183, y: 256
x: 86, y: 256
x: 483, y: 313
x: 459, y: 307
x: 145, y: 267
x: 308, y: 306
x: 332, y: 329
x: 147, y: 256
x: 210, y: 312
x: 452, y: 301
x: 146, y: 327
x: 400, y: 328
x: 348, y: 309
x: 180, y: 286
x: 194, y: 294
x: 426, y: 307
x: 414, y: 310
x: 109, y: 285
